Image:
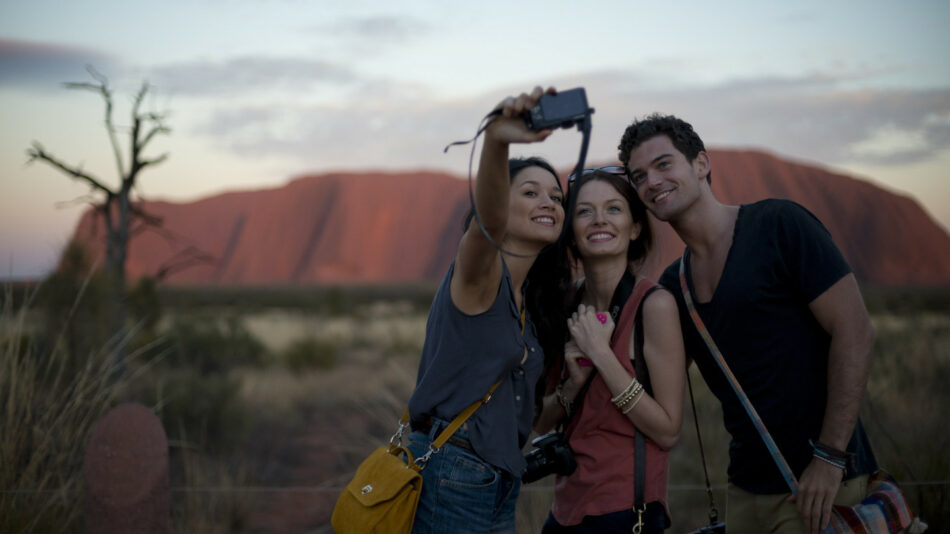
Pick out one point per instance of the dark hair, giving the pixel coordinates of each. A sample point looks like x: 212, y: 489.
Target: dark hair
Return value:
x: 640, y: 246
x: 546, y: 291
x: 515, y: 166
x: 550, y: 276
x: 545, y: 287
x: 544, y: 296
x: 680, y: 133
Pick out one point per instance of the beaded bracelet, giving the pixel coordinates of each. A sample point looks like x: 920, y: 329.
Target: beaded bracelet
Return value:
x: 626, y: 391
x: 562, y: 399
x: 627, y: 394
x: 633, y: 402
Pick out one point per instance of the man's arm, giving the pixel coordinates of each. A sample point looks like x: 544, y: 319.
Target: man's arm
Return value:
x: 840, y: 311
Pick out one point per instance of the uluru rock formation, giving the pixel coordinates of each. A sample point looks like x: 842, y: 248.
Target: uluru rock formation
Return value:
x: 366, y: 228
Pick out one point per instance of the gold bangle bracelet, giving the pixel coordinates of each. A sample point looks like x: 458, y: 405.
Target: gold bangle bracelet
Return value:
x: 629, y: 393
x: 626, y: 398
x: 633, y: 403
x: 633, y: 384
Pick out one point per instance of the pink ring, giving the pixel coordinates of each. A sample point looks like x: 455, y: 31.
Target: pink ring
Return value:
x: 602, y: 318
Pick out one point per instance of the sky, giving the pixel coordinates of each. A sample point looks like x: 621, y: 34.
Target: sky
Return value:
x: 258, y: 92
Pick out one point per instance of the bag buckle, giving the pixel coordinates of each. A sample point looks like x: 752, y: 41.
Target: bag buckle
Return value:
x: 396, y: 439
x: 424, y: 459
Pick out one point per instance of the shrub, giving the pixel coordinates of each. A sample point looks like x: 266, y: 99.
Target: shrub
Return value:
x: 310, y: 353
x: 198, y: 411
x: 212, y: 348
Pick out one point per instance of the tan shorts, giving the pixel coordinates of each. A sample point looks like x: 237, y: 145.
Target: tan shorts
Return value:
x: 773, y: 513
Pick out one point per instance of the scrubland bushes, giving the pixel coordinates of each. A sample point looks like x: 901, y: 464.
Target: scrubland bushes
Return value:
x: 241, y: 411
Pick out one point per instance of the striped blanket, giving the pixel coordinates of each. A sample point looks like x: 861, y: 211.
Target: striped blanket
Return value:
x: 884, y: 510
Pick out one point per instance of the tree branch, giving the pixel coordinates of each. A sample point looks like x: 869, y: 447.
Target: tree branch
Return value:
x: 146, y: 162
x: 37, y: 153
x: 160, y: 129
x: 182, y: 260
x: 148, y: 218
x: 85, y: 199
x: 103, y: 89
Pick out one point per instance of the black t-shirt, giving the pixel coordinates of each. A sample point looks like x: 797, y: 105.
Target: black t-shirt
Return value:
x: 781, y: 259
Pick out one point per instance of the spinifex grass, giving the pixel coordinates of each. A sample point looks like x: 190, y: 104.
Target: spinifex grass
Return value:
x: 47, y: 408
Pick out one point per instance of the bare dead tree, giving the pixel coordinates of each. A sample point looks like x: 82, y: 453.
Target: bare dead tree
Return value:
x: 115, y: 204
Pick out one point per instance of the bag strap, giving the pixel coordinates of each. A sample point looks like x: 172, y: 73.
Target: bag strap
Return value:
x: 456, y: 423
x: 731, y: 378
x: 643, y: 376
x: 446, y: 433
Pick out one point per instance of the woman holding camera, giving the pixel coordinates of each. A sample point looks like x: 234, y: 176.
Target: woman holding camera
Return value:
x: 597, y: 384
x: 479, y: 333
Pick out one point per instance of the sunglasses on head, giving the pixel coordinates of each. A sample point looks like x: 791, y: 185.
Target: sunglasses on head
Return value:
x: 610, y: 169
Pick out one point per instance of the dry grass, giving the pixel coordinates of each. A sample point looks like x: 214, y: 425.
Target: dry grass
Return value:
x: 48, y: 406
x: 353, y: 409
x: 310, y: 428
x: 203, y: 503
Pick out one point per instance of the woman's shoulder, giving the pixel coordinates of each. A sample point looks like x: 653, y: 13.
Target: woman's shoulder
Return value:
x: 658, y: 300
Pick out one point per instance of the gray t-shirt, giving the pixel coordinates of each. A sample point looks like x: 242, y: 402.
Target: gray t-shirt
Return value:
x: 463, y: 356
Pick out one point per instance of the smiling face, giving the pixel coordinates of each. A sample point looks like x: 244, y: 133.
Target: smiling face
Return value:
x: 602, y: 221
x: 535, y: 209
x: 664, y: 179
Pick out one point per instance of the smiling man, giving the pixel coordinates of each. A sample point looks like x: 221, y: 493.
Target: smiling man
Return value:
x: 785, y: 309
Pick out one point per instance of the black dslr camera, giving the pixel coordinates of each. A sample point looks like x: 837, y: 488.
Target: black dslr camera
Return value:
x: 561, y: 110
x: 552, y: 455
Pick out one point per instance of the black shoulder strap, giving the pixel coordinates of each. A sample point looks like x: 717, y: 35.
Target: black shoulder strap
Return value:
x: 627, y: 283
x: 643, y: 376
x: 624, y: 289
x: 639, y: 364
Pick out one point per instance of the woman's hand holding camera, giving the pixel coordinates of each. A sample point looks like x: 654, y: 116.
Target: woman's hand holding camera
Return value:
x: 591, y: 332
x: 509, y: 125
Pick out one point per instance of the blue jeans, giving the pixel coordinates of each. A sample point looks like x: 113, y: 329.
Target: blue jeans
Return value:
x: 460, y: 492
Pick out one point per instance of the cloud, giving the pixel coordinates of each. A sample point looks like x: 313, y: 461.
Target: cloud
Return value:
x: 367, y: 38
x: 379, y: 28
x: 35, y: 65
x: 249, y: 74
x: 818, y: 118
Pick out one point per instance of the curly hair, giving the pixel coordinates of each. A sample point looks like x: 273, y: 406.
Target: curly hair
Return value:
x: 680, y: 133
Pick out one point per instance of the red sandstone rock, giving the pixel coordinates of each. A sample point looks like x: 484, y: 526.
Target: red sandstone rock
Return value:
x: 356, y: 228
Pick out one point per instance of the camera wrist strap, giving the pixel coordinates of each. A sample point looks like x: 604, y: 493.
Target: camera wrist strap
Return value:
x: 584, y: 126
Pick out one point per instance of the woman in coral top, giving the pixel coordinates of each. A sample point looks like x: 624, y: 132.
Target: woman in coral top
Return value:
x: 606, y: 228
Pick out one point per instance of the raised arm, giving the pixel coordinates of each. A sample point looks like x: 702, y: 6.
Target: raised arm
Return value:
x: 478, y: 261
x: 840, y: 311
